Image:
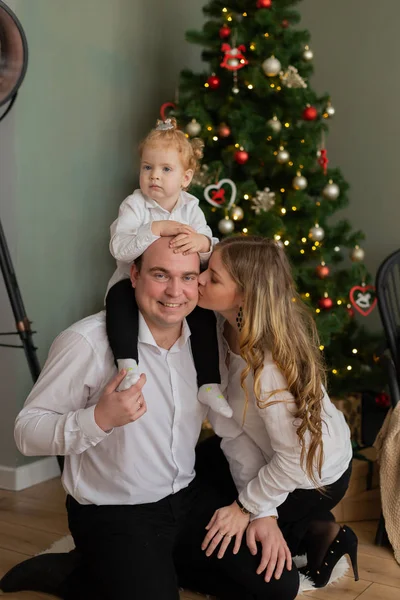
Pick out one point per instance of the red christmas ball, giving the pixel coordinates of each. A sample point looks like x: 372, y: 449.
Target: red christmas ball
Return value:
x: 264, y: 3
x: 310, y: 113
x: 325, y: 303
x: 350, y: 312
x: 241, y: 157
x: 224, y: 32
x: 285, y: 23
x: 322, y: 271
x: 214, y: 82
x: 224, y: 131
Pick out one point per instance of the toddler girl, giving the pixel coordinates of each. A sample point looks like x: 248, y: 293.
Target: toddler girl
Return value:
x: 162, y: 207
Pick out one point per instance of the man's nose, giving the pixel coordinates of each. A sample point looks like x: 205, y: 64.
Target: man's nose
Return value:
x: 174, y: 287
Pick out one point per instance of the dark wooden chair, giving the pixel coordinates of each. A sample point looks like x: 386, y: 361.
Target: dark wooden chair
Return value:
x: 388, y: 294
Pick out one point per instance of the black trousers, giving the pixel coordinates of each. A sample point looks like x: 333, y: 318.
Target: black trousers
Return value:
x: 122, y: 322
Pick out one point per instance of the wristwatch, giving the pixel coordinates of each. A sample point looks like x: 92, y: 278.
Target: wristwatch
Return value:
x: 242, y: 508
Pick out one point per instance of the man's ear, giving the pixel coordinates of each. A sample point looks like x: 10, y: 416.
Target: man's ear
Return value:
x: 134, y: 275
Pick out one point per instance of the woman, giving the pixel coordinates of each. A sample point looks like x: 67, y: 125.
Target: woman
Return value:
x: 291, y: 460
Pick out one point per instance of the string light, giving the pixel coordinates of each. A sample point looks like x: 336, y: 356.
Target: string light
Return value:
x: 269, y: 138
x: 321, y: 347
x: 302, y: 251
x: 313, y: 248
x: 237, y: 145
x: 336, y: 249
x: 283, y: 190
x: 304, y: 240
x: 224, y: 10
x: 206, y: 85
x: 294, y: 208
x: 250, y: 87
x: 307, y: 295
x: 215, y: 138
x: 349, y: 367
x: 245, y: 14
x: 229, y: 18
x: 279, y: 88
x: 303, y: 141
x: 334, y: 371
x: 290, y: 163
x: 339, y: 302
x: 272, y: 85
x: 286, y: 242
x: 277, y: 237
x: 316, y: 244
x: 301, y: 166
x: 245, y: 230
x: 318, y: 310
x: 354, y: 351
x: 209, y: 128
x: 246, y: 196
x: 266, y: 35
x: 287, y: 124
x: 283, y: 211
x: 252, y: 46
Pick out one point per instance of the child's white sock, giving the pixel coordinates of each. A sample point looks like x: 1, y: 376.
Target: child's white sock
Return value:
x: 132, y: 376
x: 210, y: 394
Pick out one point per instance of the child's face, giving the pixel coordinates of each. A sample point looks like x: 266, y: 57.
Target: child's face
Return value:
x: 162, y: 175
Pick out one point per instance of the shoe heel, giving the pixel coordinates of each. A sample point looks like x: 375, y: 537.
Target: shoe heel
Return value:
x: 353, y: 557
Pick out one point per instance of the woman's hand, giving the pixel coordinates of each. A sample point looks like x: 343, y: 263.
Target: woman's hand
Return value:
x: 226, y: 523
x: 274, y: 548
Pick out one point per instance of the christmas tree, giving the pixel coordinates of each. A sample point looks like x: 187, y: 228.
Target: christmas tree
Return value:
x: 265, y: 169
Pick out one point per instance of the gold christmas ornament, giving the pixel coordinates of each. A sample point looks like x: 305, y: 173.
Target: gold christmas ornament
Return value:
x: 193, y: 128
x: 275, y: 124
x: 299, y: 182
x: 226, y: 226
x: 357, y: 254
x: 308, y: 54
x: 331, y: 191
x: 271, y: 66
x: 237, y: 213
x: 316, y: 233
x: 283, y: 156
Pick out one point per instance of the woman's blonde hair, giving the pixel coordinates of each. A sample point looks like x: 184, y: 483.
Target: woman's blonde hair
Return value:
x: 190, y: 151
x: 276, y: 319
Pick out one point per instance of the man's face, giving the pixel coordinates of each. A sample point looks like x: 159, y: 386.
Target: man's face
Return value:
x: 166, y: 286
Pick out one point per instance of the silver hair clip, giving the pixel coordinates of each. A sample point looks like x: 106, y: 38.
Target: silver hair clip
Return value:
x: 164, y: 125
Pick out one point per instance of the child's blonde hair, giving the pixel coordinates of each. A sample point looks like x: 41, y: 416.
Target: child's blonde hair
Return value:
x: 191, y: 151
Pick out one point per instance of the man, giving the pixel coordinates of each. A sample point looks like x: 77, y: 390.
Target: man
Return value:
x: 135, y: 508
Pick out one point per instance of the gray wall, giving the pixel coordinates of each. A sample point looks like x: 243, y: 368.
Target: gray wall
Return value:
x: 98, y: 73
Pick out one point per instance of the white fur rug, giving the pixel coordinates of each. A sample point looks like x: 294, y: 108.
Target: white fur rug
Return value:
x: 66, y: 544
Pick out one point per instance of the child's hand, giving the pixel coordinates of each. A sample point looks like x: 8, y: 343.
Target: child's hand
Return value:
x: 188, y: 243
x: 169, y: 228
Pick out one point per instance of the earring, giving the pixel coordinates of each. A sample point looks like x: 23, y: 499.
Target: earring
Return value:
x: 239, y: 319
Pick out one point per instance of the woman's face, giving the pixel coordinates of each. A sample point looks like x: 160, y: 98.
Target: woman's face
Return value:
x: 217, y: 290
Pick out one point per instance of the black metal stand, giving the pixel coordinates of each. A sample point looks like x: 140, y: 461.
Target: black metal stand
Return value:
x: 23, y: 325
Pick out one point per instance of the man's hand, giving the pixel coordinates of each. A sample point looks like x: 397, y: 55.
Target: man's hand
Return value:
x: 274, y: 548
x: 170, y: 228
x: 115, y: 409
x: 226, y: 523
x: 189, y: 243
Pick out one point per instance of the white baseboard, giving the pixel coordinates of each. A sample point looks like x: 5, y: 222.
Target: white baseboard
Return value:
x: 25, y: 476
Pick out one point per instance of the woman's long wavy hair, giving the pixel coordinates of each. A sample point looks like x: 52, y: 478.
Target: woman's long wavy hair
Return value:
x: 276, y: 319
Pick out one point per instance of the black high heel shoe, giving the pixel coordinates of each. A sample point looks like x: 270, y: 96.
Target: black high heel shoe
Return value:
x: 345, y: 542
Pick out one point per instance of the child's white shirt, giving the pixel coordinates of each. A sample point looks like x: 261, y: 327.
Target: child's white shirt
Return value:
x: 131, y: 232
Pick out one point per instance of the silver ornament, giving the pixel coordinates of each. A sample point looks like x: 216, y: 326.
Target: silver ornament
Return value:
x: 233, y: 62
x: 299, y: 182
x: 275, y: 124
x: 271, y: 66
x: 226, y: 226
x: 237, y: 213
x: 193, y: 128
x: 316, y: 233
x: 308, y: 54
x: 357, y: 254
x: 283, y: 156
x: 331, y: 191
x: 330, y: 110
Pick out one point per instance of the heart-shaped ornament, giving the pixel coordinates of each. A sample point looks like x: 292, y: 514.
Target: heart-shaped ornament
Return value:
x: 215, y: 194
x: 363, y: 298
x: 164, y: 110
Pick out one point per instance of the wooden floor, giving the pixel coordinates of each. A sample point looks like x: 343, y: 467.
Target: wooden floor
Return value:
x: 32, y: 520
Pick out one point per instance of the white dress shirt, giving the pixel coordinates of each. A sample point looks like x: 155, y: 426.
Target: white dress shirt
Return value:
x: 131, y: 232
x: 138, y: 463
x: 264, y: 451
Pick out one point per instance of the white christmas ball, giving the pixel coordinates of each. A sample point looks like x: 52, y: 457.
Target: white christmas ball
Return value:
x: 331, y: 191
x: 193, y: 128
x: 308, y: 54
x: 226, y: 226
x: 275, y: 124
x: 271, y: 66
x: 357, y: 254
x: 299, y: 182
x: 235, y: 90
x: 317, y: 234
x: 283, y: 156
x: 237, y: 213
x: 330, y: 110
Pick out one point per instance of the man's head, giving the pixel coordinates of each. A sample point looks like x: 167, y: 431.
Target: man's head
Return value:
x: 165, y: 285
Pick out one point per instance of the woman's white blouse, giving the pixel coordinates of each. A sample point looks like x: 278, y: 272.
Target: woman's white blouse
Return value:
x: 264, y: 450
